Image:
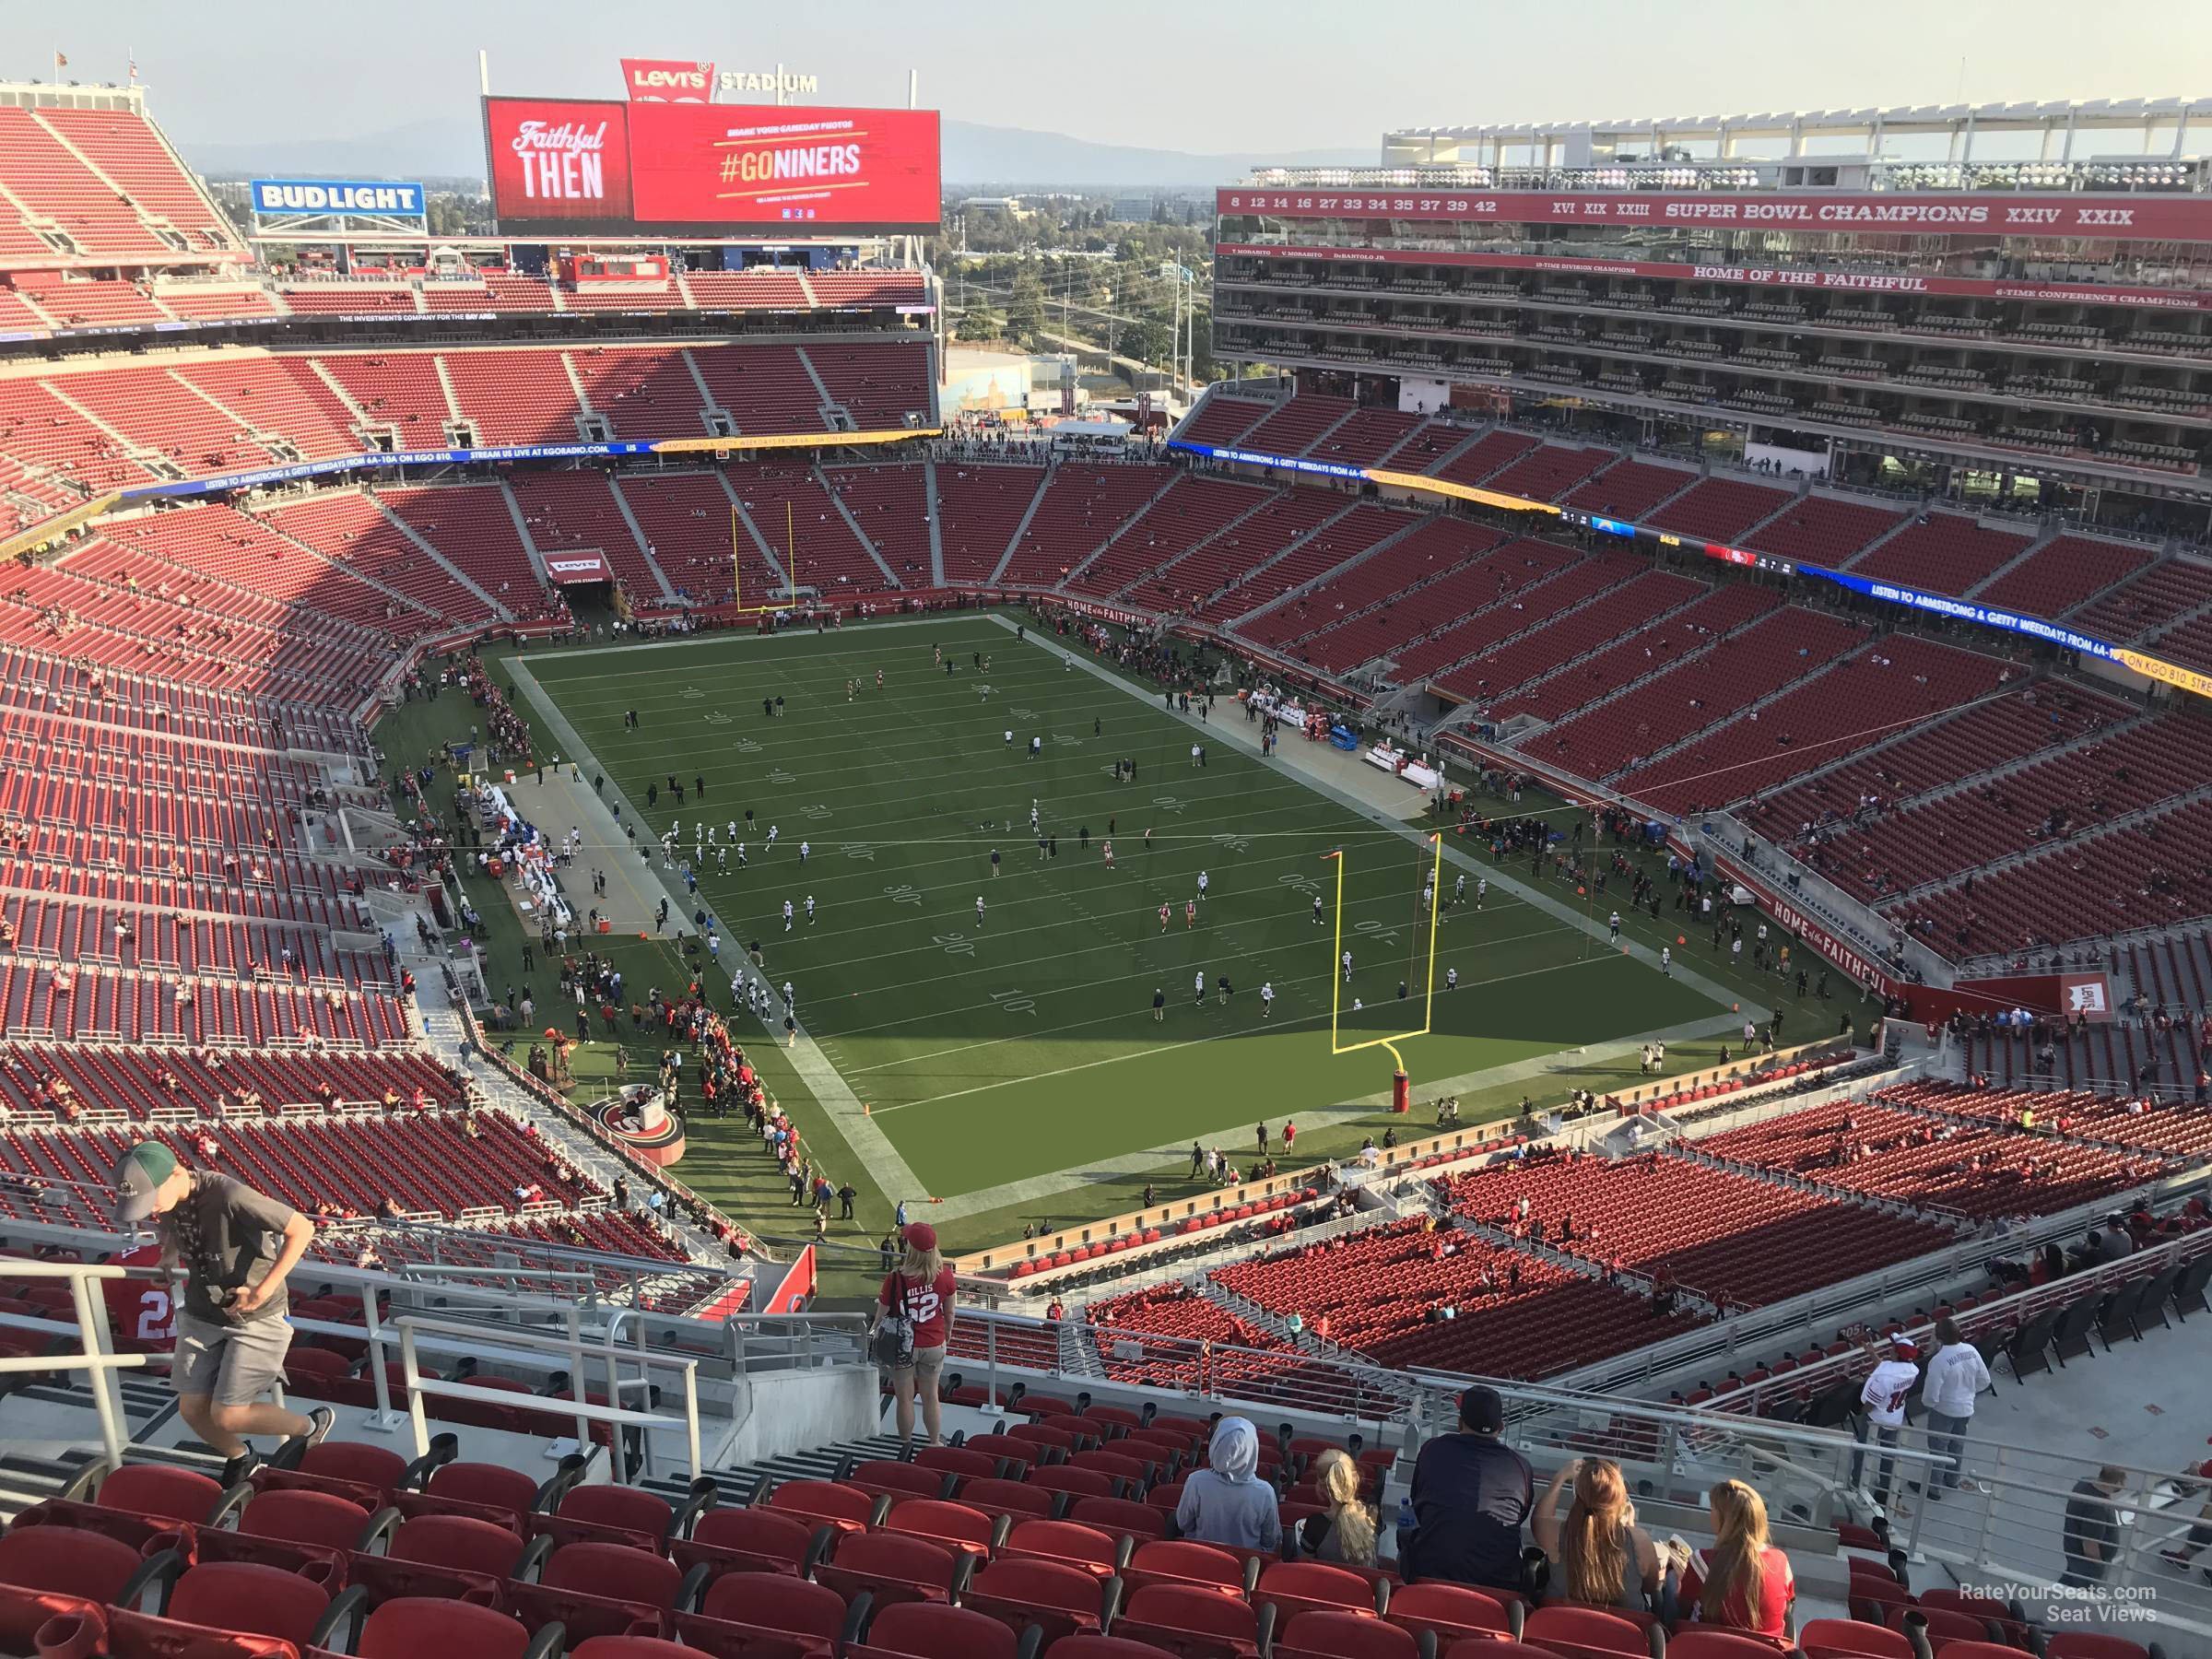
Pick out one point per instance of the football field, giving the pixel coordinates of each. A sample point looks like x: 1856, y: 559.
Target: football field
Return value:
x: 1003, y: 1054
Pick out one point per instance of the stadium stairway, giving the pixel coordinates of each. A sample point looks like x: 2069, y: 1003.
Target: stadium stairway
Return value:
x: 445, y: 1033
x: 1614, y: 693
x: 867, y: 542
x: 1284, y: 600
x: 739, y: 1484
x: 1749, y: 711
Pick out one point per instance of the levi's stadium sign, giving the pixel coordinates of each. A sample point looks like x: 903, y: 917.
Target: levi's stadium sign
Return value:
x: 681, y: 80
x: 665, y: 80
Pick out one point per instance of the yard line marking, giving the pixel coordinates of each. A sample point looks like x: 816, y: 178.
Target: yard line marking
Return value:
x: 1190, y: 1042
x: 1056, y: 1032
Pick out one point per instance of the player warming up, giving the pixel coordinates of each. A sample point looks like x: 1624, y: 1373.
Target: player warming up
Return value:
x: 1190, y: 912
x: 979, y: 910
x: 1163, y: 918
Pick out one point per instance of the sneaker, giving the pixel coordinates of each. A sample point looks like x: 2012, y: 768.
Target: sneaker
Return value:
x: 320, y: 1421
x: 241, y: 1468
x: 2180, y: 1557
x: 1966, y: 1483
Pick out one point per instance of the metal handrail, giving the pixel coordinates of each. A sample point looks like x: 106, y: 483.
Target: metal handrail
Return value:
x: 526, y: 1347
x: 94, y: 1356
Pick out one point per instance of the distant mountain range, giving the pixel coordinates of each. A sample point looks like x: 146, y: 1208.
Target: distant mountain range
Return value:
x: 978, y: 158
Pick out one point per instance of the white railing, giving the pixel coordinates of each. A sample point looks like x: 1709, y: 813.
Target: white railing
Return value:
x: 92, y: 1355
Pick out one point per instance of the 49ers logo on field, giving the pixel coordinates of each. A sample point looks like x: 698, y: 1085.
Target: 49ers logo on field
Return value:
x: 668, y: 80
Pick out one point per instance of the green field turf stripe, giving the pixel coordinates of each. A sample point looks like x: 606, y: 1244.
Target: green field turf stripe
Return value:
x: 832, y: 1092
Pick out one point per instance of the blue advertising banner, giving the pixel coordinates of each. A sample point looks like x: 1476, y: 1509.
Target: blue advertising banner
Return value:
x: 380, y: 459
x: 338, y: 196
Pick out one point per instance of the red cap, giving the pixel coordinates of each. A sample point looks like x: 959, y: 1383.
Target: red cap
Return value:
x: 1903, y: 1347
x: 922, y: 1236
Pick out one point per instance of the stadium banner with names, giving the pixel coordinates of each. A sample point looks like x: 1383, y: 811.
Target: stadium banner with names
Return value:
x: 1781, y: 276
x: 1866, y: 969
x: 383, y: 460
x: 566, y: 166
x: 1886, y: 593
x: 2139, y: 218
x: 286, y: 197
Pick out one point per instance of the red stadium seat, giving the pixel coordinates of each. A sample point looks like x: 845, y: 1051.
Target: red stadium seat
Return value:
x: 845, y: 1508
x: 597, y: 1589
x: 930, y: 1630
x: 46, y: 1571
x: 235, y: 1596
x: 884, y: 1477
x: 1102, y: 1647
x: 308, y: 1517
x: 1455, y: 1612
x: 1059, y: 1599
x: 963, y: 1461
x: 364, y: 1474
x: 747, y: 1540
x: 409, y: 1628
x: 1584, y: 1633
x: 1296, y: 1587
x: 1069, y: 1542
x: 1196, y: 1623
x: 484, y: 1491
x: 1122, y: 1517
x: 1851, y: 1639
x: 895, y: 1567
x: 1078, y: 1482
x: 1324, y: 1635
x: 606, y: 1514
x: 956, y: 1525
x: 458, y: 1558
x: 1944, y: 1625
x: 1182, y: 1562
x: 745, y: 1615
x: 1024, y: 1452
x: 1690, y: 1642
x: 2092, y: 1644
x: 1014, y: 1498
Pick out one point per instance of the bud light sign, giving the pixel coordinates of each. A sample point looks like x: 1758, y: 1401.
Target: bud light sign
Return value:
x: 285, y: 197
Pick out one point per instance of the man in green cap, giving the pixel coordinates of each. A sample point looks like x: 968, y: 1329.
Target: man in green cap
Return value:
x: 232, y: 1335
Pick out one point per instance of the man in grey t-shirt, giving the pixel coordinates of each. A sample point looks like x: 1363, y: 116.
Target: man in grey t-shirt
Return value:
x: 232, y: 1335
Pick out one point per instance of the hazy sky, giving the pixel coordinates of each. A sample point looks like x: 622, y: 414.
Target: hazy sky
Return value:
x: 1198, y: 75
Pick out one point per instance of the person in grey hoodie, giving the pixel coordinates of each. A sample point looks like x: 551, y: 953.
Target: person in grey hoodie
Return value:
x: 1227, y: 1502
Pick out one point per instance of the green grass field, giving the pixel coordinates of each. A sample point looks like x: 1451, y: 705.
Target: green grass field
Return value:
x: 1000, y: 1055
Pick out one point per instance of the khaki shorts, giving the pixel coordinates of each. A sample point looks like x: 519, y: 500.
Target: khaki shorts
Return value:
x: 234, y: 1365
x: 927, y: 1363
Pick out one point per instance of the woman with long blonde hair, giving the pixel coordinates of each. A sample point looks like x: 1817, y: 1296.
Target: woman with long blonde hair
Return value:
x: 1345, y: 1529
x: 1599, y: 1555
x: 1742, y: 1582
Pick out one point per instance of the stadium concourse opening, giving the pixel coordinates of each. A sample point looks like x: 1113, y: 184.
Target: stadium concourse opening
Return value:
x: 1744, y: 666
